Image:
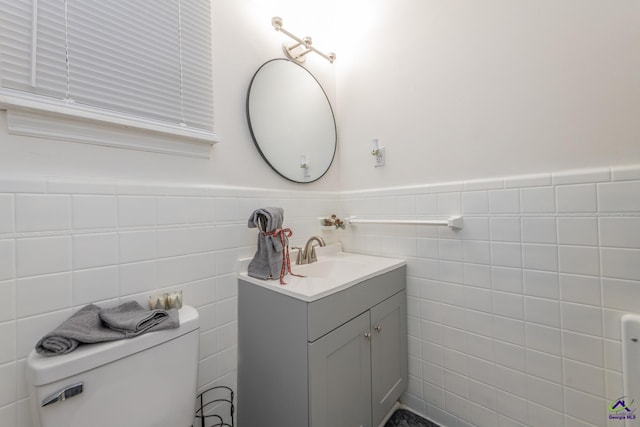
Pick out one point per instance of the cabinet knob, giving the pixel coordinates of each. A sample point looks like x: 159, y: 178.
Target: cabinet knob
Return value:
x: 367, y: 335
x: 378, y: 328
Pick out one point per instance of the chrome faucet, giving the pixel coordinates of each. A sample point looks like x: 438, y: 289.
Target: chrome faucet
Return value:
x: 308, y: 255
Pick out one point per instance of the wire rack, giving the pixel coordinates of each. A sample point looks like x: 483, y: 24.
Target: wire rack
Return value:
x: 210, y: 398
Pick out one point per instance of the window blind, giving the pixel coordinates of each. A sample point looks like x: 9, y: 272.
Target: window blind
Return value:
x: 133, y: 60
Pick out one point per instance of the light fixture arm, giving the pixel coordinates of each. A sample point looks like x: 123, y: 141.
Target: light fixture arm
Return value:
x: 299, y: 50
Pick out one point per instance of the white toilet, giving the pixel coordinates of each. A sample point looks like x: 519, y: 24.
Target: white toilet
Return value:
x: 147, y: 381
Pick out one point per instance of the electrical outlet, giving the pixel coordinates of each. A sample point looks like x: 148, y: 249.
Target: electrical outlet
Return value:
x: 378, y: 160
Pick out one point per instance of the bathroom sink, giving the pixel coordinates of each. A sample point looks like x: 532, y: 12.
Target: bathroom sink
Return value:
x: 332, y: 267
x: 334, y: 271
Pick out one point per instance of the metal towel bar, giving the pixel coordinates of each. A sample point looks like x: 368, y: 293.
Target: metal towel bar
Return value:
x: 454, y: 222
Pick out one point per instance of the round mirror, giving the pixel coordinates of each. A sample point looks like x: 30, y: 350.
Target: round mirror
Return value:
x: 291, y: 121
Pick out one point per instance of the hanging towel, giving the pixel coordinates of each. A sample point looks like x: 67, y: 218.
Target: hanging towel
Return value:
x: 267, y: 261
x: 85, y: 326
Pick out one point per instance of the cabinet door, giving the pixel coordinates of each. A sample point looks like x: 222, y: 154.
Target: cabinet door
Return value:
x: 388, y: 354
x: 340, y: 376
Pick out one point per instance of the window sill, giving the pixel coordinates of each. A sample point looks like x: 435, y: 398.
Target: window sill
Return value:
x: 57, y: 120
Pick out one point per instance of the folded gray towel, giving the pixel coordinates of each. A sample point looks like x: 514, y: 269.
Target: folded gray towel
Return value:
x: 85, y: 326
x: 267, y: 261
x: 132, y: 319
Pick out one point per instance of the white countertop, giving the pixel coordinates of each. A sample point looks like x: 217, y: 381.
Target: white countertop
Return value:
x: 334, y: 271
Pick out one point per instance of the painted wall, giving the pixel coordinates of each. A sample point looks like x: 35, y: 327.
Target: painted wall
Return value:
x: 82, y: 223
x: 243, y: 39
x: 514, y: 321
x: 455, y: 90
x: 465, y: 90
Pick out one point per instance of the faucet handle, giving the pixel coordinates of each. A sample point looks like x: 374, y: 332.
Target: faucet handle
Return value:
x: 299, y: 256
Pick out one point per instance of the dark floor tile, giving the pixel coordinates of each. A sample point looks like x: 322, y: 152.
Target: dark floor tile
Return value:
x: 404, y: 418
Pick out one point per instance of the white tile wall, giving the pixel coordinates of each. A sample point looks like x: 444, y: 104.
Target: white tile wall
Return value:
x: 504, y: 201
x: 540, y: 257
x: 7, y: 213
x: 513, y: 321
x: 582, y: 176
x: 539, y: 230
x: 543, y: 284
x: 619, y: 232
x: 65, y: 243
x: 524, y: 328
x: 7, y: 302
x: 7, y: 259
x: 95, y: 285
x: 41, y: 212
x: 619, y: 196
x: 580, y: 289
x: 621, y: 263
x: 475, y: 202
x: 538, y: 199
x: 42, y: 255
x: 136, y: 211
x: 42, y: 294
x: 576, y: 198
x: 94, y: 250
x: 94, y: 211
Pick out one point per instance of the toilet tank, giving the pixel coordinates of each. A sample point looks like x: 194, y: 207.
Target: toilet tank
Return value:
x: 146, y: 381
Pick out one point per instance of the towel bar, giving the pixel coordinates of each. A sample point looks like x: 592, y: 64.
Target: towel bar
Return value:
x: 454, y: 222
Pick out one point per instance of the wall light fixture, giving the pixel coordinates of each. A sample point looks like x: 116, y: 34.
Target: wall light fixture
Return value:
x: 302, y: 47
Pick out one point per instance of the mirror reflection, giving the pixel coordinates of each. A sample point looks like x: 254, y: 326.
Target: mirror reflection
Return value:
x: 291, y: 121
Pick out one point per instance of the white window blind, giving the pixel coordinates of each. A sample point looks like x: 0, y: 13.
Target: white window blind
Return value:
x: 143, y: 64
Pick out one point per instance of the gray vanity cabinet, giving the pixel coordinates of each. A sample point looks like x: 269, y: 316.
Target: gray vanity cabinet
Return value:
x: 339, y: 361
x: 388, y: 353
x: 340, y: 372
x: 361, y: 362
